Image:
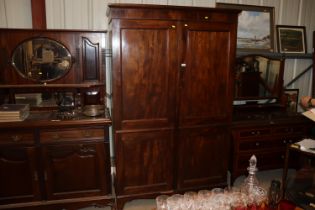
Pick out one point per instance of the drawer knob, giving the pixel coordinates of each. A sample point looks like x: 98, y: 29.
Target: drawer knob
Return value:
x: 16, y: 138
x: 257, y: 144
x: 56, y: 136
x: 284, y: 141
x: 87, y: 133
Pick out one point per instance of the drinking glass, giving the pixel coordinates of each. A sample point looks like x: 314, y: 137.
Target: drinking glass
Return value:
x: 161, y: 202
x: 173, y: 202
x: 188, y: 200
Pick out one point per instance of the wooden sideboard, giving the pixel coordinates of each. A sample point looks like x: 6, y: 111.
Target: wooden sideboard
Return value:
x: 58, y: 157
x: 265, y: 135
x: 46, y: 161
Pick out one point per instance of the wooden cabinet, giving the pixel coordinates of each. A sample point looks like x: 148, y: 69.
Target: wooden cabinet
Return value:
x: 63, y: 163
x: 75, y: 167
x: 58, y: 157
x: 172, y: 86
x: 18, y: 166
x: 267, y: 139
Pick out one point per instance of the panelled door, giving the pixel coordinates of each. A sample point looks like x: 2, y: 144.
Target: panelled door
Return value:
x: 205, y: 103
x: 144, y: 81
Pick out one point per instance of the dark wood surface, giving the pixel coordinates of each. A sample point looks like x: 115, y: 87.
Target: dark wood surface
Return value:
x: 57, y: 161
x: 265, y: 136
x: 313, y: 54
x: 172, y: 105
x: 80, y: 44
x: 47, y: 162
x: 38, y: 14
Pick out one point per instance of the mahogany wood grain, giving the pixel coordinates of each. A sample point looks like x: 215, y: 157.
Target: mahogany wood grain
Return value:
x: 313, y: 81
x: 48, y: 163
x: 267, y: 139
x: 172, y: 97
x: 38, y: 14
x: 19, y: 178
x: 72, y: 40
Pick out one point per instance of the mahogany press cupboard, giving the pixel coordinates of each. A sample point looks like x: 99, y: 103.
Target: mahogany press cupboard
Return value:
x: 172, y: 81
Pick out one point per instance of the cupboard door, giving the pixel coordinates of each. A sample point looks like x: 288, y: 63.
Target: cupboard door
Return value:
x: 75, y: 170
x: 144, y: 161
x: 203, y: 157
x: 207, y: 76
x: 18, y: 175
x: 144, y: 72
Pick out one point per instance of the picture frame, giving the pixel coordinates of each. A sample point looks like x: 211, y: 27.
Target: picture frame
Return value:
x: 291, y: 100
x: 255, y: 30
x: 291, y: 39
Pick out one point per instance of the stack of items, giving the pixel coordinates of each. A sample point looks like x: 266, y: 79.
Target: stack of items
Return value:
x: 14, y: 112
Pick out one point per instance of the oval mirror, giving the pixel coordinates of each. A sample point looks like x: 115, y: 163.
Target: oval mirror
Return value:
x: 41, y: 59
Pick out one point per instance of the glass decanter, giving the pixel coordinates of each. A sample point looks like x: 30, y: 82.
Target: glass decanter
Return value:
x: 251, y: 181
x: 257, y: 196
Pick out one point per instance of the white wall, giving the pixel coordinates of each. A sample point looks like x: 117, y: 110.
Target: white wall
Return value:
x: 91, y: 14
x: 15, y: 14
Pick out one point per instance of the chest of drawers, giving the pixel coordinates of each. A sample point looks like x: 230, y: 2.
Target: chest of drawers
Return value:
x: 267, y: 139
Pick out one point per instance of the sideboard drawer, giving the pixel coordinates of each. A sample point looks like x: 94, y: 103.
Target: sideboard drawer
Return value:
x: 254, y: 132
x: 255, y: 144
x: 290, y: 130
x: 17, y: 137
x: 73, y: 134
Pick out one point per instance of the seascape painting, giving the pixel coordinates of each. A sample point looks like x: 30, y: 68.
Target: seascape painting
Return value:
x: 254, y: 30
x: 255, y: 27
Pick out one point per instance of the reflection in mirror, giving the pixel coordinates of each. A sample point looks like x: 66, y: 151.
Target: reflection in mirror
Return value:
x: 46, y: 99
x: 41, y: 59
x: 258, y: 77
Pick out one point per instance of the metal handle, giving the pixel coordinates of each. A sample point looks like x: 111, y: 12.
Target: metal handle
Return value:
x: 87, y: 133
x: 16, y: 138
x: 35, y: 176
x: 56, y: 136
x: 183, y: 65
x: 257, y: 144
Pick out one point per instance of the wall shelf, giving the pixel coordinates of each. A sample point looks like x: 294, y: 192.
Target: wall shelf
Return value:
x: 278, y: 55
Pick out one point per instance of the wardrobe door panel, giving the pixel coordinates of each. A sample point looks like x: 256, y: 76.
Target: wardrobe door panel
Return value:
x: 206, y: 87
x: 145, y: 75
x: 144, y: 161
x: 203, y: 154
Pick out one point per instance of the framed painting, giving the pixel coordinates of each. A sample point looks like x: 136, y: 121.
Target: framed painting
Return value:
x: 291, y: 99
x: 255, y: 30
x: 291, y: 39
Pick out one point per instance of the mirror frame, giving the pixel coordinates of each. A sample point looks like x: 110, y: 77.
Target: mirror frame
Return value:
x: 275, y: 99
x: 58, y: 45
